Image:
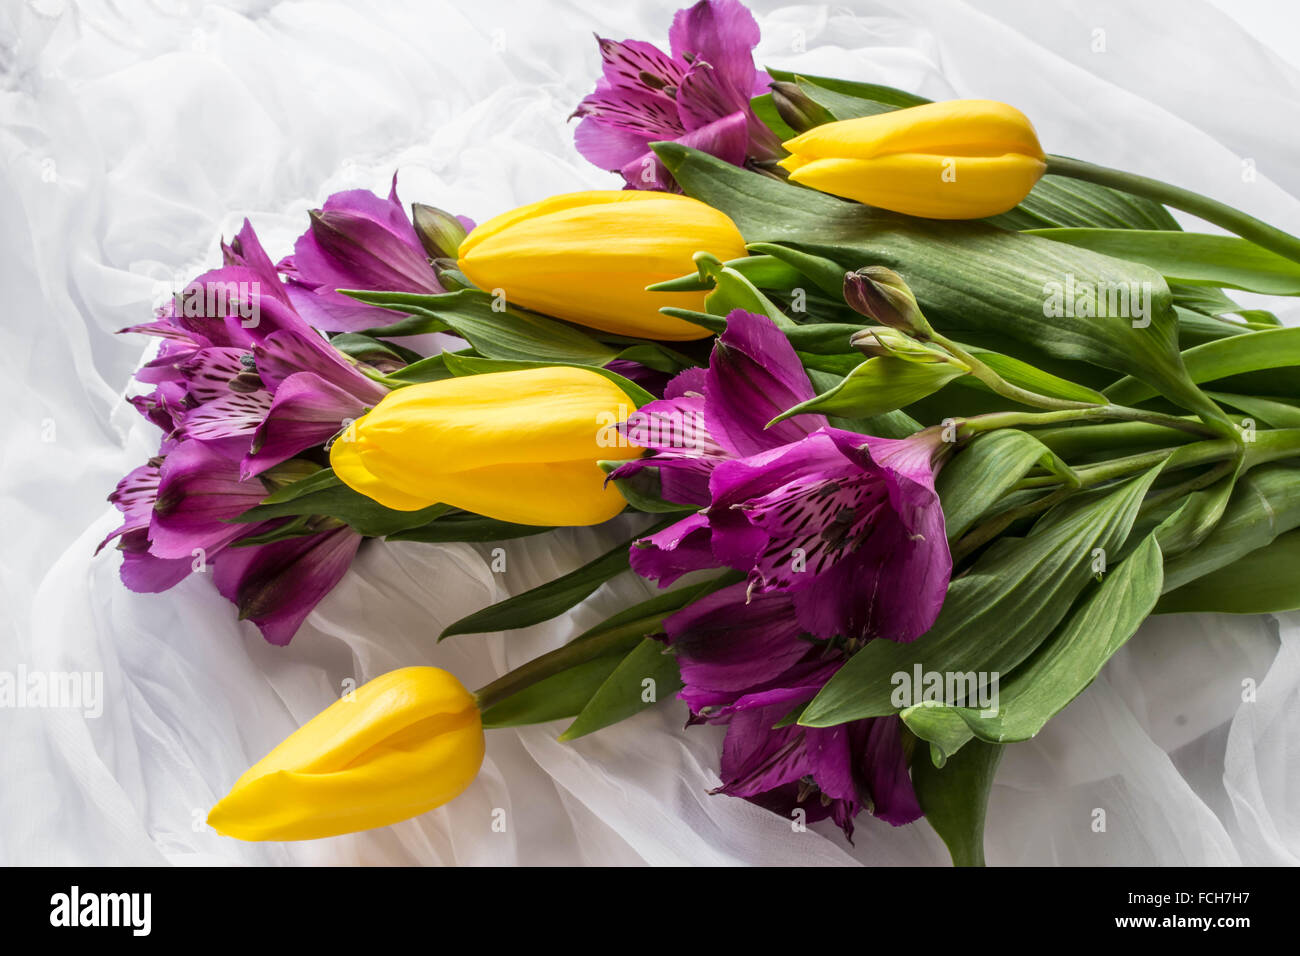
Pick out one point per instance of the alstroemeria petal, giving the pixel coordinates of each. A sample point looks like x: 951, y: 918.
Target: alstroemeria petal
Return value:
x: 199, y: 491
x: 277, y: 585
x: 306, y: 411
x: 680, y: 548
x: 755, y: 375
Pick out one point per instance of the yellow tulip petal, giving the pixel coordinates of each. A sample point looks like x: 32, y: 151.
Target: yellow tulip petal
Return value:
x: 348, y: 464
x: 933, y: 187
x: 612, y: 302
x: 518, y: 446
x: 587, y: 258
x: 951, y: 128
x: 562, y: 493
x: 404, y: 743
x: 552, y: 204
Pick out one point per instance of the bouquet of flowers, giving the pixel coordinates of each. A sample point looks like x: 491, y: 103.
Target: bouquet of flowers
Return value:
x: 920, y: 421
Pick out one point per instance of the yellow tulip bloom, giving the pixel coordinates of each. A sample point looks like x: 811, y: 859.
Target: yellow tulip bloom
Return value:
x: 403, y: 743
x: 519, y: 446
x: 588, y: 257
x: 963, y: 159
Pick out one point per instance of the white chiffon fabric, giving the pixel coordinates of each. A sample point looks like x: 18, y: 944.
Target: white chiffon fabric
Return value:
x: 133, y: 135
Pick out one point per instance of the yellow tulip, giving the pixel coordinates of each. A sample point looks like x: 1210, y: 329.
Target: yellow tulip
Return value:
x: 588, y: 257
x: 963, y: 159
x: 519, y: 446
x: 403, y: 743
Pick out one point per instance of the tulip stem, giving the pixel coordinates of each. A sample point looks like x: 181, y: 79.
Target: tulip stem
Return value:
x: 1211, y: 210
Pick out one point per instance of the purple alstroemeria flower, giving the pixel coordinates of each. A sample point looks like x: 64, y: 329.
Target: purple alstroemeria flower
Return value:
x: 697, y: 95
x: 747, y: 662
x: 848, y: 525
x: 276, y: 585
x: 357, y: 241
x: 241, y: 383
x: 177, y: 510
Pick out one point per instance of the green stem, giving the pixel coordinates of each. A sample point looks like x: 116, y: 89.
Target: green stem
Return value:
x: 995, y: 526
x: 1072, y: 441
x: 1211, y: 210
x: 1184, y: 456
x: 1000, y: 385
x: 1122, y: 413
x: 1195, y: 483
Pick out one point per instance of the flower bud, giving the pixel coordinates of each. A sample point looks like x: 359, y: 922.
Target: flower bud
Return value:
x: 439, y: 232
x: 881, y: 294
x: 406, y: 742
x: 797, y: 108
x: 963, y: 159
x: 880, y: 341
x: 588, y: 257
x: 519, y: 446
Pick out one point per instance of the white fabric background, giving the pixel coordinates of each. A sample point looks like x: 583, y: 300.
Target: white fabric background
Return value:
x: 133, y: 135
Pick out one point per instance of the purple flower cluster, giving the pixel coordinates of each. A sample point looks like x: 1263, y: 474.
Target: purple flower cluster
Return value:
x: 841, y: 540
x: 243, y: 382
x: 698, y: 95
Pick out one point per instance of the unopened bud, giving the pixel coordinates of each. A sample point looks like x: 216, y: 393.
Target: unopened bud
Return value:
x: 440, y: 232
x: 881, y: 294
x: 797, y: 108
x: 881, y: 340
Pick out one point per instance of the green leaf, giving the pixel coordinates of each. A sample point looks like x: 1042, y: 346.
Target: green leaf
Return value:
x: 1265, y: 504
x: 643, y: 490
x: 867, y: 91
x: 1273, y: 348
x: 464, y: 526
x: 982, y: 472
x: 1033, y: 378
x: 1196, y: 329
x: 967, y: 276
x: 559, y: 696
x: 995, y: 615
x: 1062, y: 201
x: 333, y: 498
x: 713, y: 323
x: 298, y: 527
x: 826, y: 274
x: 765, y: 272
x: 1191, y: 258
x: 843, y: 106
x: 1205, y: 299
x: 626, y: 692
x: 500, y: 333
x: 942, y: 727
x: 371, y: 350
x: 431, y: 369
x: 955, y: 799
x: 552, y: 598
x: 733, y: 291
x: 1271, y: 412
x: 316, y: 481
x: 460, y: 365
x: 1068, y: 661
x: 1263, y: 581
x: 880, y: 384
